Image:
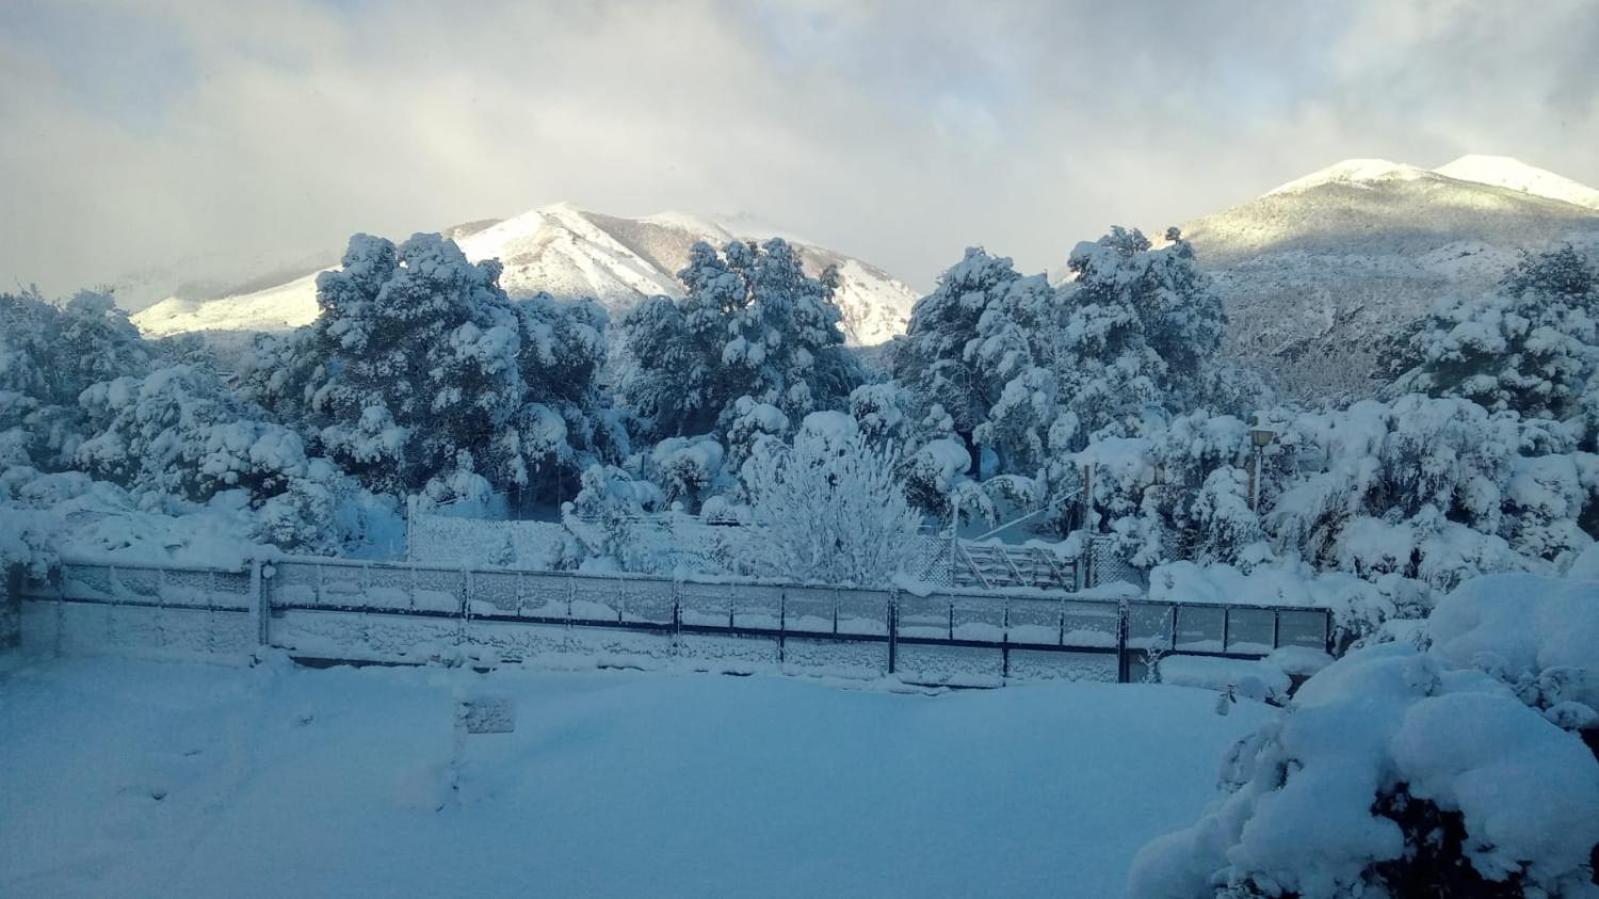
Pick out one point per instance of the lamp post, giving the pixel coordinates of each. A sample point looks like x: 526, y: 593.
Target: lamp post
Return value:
x: 1261, y: 437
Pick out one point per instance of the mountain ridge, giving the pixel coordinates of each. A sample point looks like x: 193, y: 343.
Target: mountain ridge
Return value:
x: 569, y: 253
x: 1315, y: 273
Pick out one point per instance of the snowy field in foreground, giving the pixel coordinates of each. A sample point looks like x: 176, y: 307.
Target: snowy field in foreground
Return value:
x: 143, y: 778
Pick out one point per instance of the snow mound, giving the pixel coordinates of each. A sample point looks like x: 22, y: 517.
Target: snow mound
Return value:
x: 1325, y: 796
x: 1520, y: 625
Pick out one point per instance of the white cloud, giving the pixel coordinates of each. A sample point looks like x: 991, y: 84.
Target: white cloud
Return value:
x: 900, y: 131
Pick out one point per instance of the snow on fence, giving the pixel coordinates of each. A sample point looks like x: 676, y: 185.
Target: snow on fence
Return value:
x: 349, y: 611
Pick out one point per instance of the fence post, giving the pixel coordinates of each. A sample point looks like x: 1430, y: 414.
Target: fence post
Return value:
x: 461, y: 637
x: 1004, y: 646
x: 11, y: 608
x: 893, y: 628
x: 1123, y: 669
x: 261, y: 605
x: 677, y: 614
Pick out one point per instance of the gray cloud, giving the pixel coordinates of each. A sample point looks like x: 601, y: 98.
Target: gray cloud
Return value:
x: 140, y: 133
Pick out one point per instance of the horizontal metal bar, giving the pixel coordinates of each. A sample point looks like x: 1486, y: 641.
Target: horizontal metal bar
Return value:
x: 133, y: 604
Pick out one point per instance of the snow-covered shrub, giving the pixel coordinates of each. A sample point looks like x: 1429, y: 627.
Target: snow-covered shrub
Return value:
x: 1538, y: 635
x: 747, y: 423
x: 1436, y: 489
x: 179, y: 432
x: 28, y: 537
x: 607, y: 515
x: 686, y: 468
x: 1399, y: 771
x: 880, y: 411
x: 828, y: 508
x: 931, y: 473
x: 751, y: 324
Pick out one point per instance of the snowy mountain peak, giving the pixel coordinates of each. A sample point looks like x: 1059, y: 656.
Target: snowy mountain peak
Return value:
x: 566, y: 251
x: 1318, y: 273
x: 1513, y: 174
x: 1359, y: 172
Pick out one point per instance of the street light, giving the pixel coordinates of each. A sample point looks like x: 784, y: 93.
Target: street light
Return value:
x: 1262, y: 437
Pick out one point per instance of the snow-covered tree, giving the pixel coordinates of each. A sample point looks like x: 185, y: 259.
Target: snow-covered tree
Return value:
x: 968, y: 340
x: 1033, y: 373
x: 420, y: 369
x: 179, y: 432
x: 828, y: 508
x: 49, y: 354
x: 1531, y: 346
x: 1143, y: 330
x: 751, y: 324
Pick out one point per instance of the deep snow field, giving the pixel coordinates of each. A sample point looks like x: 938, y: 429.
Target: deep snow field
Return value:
x: 138, y: 778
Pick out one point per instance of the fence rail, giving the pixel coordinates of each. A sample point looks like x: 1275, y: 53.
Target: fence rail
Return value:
x: 289, y: 598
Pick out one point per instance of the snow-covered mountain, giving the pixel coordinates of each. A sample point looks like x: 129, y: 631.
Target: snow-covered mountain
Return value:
x: 1316, y: 272
x: 567, y: 252
x: 1503, y: 171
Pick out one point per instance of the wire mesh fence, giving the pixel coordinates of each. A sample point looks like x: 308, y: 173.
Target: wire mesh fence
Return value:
x: 365, y: 603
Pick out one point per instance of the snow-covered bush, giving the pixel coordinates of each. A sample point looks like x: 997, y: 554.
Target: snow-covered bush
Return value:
x: 607, y: 516
x: 828, y: 508
x: 747, y: 423
x: 179, y: 432
x: 686, y: 468
x: 1435, y: 489
x: 1402, y: 771
x: 751, y: 324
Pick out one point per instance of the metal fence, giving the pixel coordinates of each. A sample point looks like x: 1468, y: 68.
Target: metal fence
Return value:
x: 341, y: 610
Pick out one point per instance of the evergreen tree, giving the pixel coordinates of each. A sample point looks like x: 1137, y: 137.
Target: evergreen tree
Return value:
x: 1144, y: 330
x: 751, y: 324
x: 945, y: 360
x: 1531, y: 346
x: 421, y: 373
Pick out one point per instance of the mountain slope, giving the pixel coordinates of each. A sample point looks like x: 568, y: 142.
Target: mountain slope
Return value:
x: 566, y: 252
x: 1315, y: 273
x: 1503, y: 171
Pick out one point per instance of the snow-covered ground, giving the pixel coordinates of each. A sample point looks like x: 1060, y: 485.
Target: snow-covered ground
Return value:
x: 141, y: 778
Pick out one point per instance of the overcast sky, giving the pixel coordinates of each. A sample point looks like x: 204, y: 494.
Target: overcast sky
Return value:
x: 141, y: 133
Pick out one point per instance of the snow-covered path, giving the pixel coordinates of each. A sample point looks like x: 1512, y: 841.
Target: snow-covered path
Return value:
x: 140, y: 778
